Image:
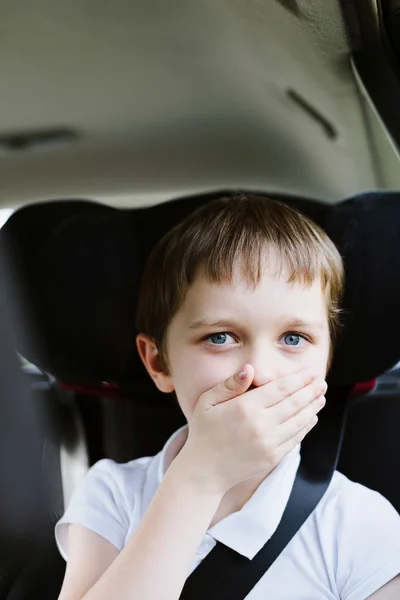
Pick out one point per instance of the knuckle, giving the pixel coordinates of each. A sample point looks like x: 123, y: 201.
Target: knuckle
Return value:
x: 273, y: 454
x: 300, y: 436
x: 268, y: 447
x: 308, y: 425
x: 283, y: 387
x: 244, y: 410
x: 257, y: 433
x: 203, y: 398
x: 302, y: 421
x: 296, y: 401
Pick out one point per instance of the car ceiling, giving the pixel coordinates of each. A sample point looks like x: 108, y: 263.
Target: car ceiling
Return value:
x: 168, y: 98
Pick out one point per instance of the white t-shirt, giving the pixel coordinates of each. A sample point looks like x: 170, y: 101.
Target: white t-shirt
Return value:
x: 347, y: 549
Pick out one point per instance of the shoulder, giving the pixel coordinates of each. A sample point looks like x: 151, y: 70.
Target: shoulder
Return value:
x: 120, y: 476
x: 356, y: 506
x: 106, y: 500
x: 114, y: 481
x: 360, y: 533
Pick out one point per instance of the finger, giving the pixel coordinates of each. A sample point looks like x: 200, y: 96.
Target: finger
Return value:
x: 288, y: 445
x: 295, y: 426
x: 277, y: 390
x: 230, y: 388
x: 300, y: 400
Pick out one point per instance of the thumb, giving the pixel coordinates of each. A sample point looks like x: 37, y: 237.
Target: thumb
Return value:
x: 230, y: 388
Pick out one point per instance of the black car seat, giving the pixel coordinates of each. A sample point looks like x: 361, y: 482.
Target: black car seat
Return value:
x: 78, y: 265
x: 367, y: 230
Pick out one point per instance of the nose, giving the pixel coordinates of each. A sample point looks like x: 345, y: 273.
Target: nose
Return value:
x: 261, y: 378
x: 265, y: 366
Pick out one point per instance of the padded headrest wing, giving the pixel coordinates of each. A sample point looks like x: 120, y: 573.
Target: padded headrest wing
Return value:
x: 366, y: 230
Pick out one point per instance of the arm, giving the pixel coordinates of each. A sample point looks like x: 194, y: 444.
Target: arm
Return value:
x: 90, y: 555
x: 390, y: 591
x: 156, y: 561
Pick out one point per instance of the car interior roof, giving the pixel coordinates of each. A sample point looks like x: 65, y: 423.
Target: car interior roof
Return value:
x: 160, y: 99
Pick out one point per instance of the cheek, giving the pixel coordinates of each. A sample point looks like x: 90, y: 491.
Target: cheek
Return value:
x: 317, y: 363
x: 194, y: 372
x: 316, y: 358
x: 309, y: 360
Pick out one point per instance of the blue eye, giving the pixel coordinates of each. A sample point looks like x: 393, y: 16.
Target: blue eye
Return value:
x: 219, y: 339
x: 294, y: 339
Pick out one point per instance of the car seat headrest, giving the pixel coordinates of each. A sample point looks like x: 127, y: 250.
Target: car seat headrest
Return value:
x: 67, y: 264
x: 87, y: 275
x: 366, y: 229
x: 81, y: 264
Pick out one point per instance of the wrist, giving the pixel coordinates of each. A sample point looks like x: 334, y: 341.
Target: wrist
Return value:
x: 196, y: 475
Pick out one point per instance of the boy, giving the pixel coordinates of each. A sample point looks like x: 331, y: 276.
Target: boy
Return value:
x: 237, y: 314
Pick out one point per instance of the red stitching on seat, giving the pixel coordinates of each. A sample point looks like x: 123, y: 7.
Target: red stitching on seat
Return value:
x: 362, y: 388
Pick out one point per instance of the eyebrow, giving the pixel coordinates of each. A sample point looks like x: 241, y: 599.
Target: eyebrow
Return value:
x: 300, y: 323
x: 229, y: 323
x: 219, y: 323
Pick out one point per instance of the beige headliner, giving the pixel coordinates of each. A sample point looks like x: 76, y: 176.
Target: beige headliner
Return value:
x: 178, y: 96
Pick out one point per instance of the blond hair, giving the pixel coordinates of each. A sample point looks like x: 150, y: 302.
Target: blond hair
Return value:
x: 213, y: 238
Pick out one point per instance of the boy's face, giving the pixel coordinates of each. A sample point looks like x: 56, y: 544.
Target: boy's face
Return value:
x: 276, y: 327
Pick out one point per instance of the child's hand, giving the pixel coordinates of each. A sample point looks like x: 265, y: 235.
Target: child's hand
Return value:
x: 236, y: 434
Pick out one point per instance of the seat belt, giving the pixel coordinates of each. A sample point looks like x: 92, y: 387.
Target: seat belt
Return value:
x: 224, y: 574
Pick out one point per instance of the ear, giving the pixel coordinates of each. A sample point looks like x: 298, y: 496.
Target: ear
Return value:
x: 151, y: 359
